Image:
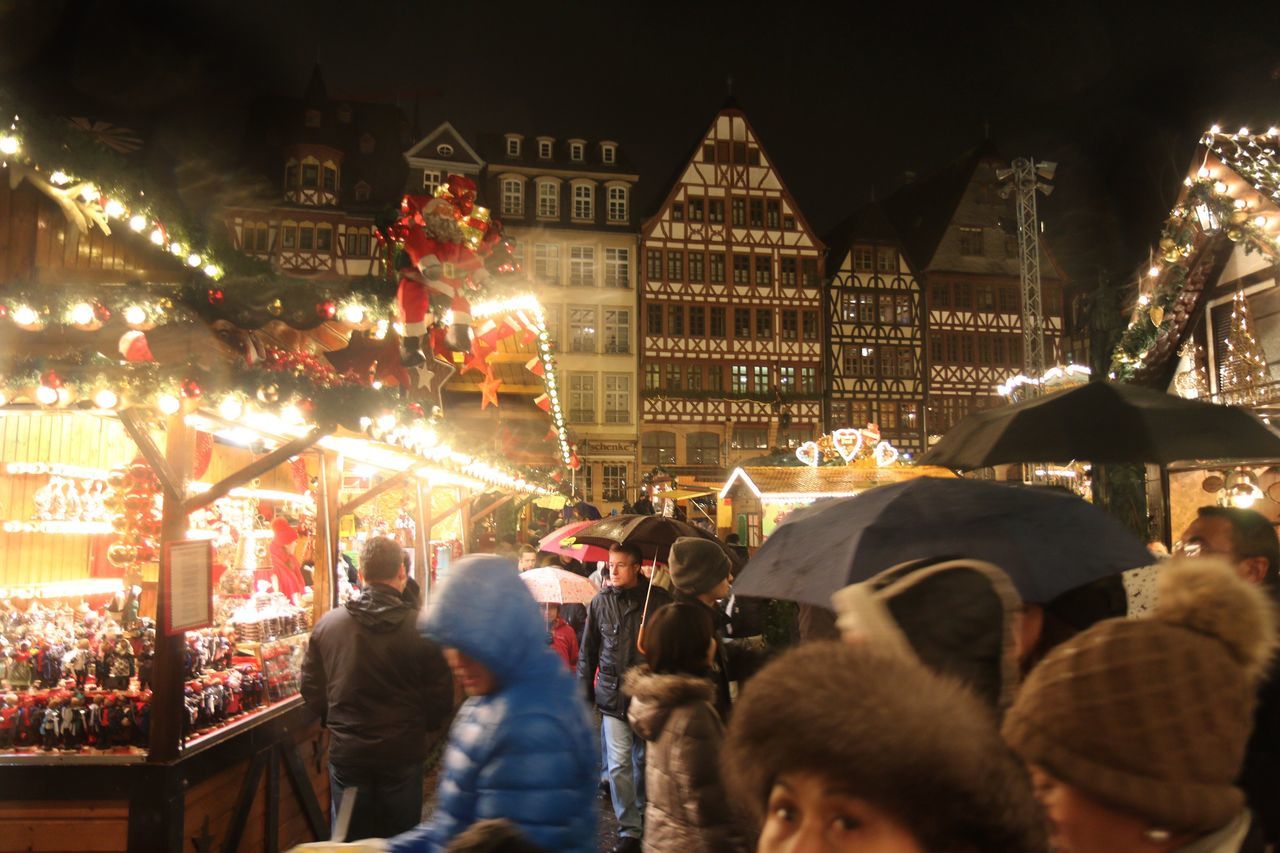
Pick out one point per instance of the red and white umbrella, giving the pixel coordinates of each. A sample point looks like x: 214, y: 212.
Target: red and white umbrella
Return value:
x: 550, y: 585
x: 561, y: 542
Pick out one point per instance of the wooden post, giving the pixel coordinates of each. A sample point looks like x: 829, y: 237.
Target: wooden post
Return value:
x: 325, y: 577
x: 422, y: 539
x: 465, y: 504
x: 167, y: 673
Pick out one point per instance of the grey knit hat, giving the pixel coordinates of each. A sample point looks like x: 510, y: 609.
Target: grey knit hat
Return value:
x: 697, y: 565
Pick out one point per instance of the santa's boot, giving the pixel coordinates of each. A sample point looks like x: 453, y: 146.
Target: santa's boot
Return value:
x: 411, y: 354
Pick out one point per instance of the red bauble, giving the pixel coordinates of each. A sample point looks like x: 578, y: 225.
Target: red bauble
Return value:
x: 4, y: 311
x: 327, y: 309
x: 101, y: 313
x: 216, y: 296
x: 190, y: 389
x: 51, y: 379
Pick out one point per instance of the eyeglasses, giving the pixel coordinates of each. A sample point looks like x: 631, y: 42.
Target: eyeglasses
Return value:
x: 1196, y: 548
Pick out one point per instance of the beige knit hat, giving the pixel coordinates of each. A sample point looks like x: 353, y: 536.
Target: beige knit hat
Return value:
x: 1151, y: 716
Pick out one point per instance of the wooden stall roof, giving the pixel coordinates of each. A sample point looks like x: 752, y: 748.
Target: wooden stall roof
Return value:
x: 825, y: 480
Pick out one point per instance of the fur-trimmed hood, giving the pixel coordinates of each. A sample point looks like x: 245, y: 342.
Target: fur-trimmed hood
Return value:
x: 654, y: 696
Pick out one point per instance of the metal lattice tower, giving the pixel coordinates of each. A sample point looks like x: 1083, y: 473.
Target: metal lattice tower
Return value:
x: 1026, y: 182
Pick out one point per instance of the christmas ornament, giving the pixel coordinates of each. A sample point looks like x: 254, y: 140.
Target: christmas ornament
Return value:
x: 275, y: 308
x: 134, y: 348
x: 847, y: 442
x: 1156, y: 314
x: 269, y: 393
x: 1192, y: 381
x: 327, y: 310
x: 809, y: 453
x: 216, y: 296
x: 489, y: 391
x: 1244, y: 369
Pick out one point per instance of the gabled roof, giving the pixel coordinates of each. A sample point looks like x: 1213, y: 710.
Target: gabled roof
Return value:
x: 868, y: 223
x: 824, y: 481
x: 445, y: 132
x: 922, y: 209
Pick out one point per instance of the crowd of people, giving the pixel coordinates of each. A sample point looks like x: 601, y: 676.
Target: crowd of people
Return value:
x: 929, y: 709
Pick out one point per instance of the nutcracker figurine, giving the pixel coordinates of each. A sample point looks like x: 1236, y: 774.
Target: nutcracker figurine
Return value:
x: 51, y: 725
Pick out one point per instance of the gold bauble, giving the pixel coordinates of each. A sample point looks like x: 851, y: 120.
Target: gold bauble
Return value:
x: 1156, y: 314
x: 276, y: 308
x: 269, y: 393
x: 1167, y: 243
x: 1235, y: 235
x: 1239, y: 217
x: 1171, y: 254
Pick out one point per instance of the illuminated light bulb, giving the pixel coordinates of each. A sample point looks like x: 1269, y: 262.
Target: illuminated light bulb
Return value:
x: 25, y: 315
x: 353, y: 314
x: 46, y: 396
x: 365, y: 423
x: 105, y: 399
x: 134, y: 315
x: 113, y: 208
x: 9, y: 144
x: 1244, y: 131
x: 1153, y: 272
x: 1260, y: 221
x: 168, y: 404
x: 291, y: 414
x: 82, y: 314
x: 193, y: 260
x: 387, y: 422
x: 65, y: 395
x: 90, y: 193
x: 377, y: 386
x: 137, y: 222
x: 59, y: 178
x: 157, y: 237
x: 380, y: 331
x: 1215, y: 129
x: 1240, y: 204
x: 177, y: 249
x: 1204, y: 172
x: 1219, y: 187
x: 231, y: 408
x: 212, y: 270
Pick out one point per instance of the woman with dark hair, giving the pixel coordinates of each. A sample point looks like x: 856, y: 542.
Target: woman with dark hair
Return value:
x: 672, y: 707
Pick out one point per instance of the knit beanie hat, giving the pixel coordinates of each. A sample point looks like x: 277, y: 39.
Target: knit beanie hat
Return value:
x: 1151, y: 716
x: 697, y: 565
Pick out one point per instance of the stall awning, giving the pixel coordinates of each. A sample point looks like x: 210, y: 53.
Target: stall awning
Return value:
x: 827, y: 481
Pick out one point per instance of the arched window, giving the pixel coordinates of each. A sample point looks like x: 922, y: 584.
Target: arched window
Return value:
x: 703, y: 448
x: 658, y: 448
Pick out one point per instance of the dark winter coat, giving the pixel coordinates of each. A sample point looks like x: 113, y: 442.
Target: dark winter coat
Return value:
x: 686, y: 808
x: 1260, y: 778
x: 378, y: 684
x: 734, y: 661
x: 609, y: 642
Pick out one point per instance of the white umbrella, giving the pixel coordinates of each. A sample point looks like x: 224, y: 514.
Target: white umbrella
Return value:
x: 550, y: 585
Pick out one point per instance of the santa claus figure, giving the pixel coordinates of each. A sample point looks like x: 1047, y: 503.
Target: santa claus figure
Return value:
x: 284, y: 565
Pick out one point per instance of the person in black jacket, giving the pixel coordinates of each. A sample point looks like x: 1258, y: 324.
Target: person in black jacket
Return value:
x: 609, y: 644
x: 380, y: 687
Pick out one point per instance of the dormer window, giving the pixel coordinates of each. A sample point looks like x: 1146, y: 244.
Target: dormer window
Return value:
x: 513, y: 146
x: 576, y: 151
x: 444, y: 149
x: 544, y: 149
x: 362, y: 191
x: 608, y: 152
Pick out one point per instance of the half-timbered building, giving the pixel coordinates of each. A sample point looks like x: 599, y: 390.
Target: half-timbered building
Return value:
x: 960, y: 239
x: 875, y: 350
x: 731, y: 310
x: 323, y: 169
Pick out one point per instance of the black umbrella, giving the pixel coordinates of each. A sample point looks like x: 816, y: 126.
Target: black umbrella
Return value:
x: 652, y: 534
x: 1105, y: 422
x: 1048, y: 541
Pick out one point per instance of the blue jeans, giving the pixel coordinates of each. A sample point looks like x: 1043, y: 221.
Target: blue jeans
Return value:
x: 389, y: 800
x: 625, y: 754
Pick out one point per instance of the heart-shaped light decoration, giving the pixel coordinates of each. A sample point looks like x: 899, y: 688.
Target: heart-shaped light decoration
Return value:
x: 847, y: 442
x: 809, y: 453
x: 886, y: 454
x: 871, y: 433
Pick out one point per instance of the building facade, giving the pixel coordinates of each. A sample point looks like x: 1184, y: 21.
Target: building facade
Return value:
x: 439, y: 154
x: 875, y: 332
x: 327, y: 168
x: 731, y: 306
x: 569, y: 204
x: 959, y: 235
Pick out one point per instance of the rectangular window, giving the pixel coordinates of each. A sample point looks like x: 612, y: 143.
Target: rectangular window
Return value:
x: 617, y: 399
x: 962, y: 296
x: 865, y: 307
x: 695, y: 267
x: 717, y: 327
x: 885, y: 309
x: 653, y: 322
x: 715, y: 210
x: 790, y: 324
x: 330, y: 179
x: 984, y: 349
x: 910, y: 413
x: 696, y: 209
x: 717, y: 267
x: 306, y: 237
x: 617, y: 204
x: 788, y: 267
x: 764, y: 270
x: 738, y: 379
x: 742, y: 324
x: 548, y: 199
x: 971, y: 242
x: 617, y: 330
x: 1009, y: 302
x: 553, y: 314
x: 739, y: 208
x: 708, y: 152
x: 264, y: 241
x: 715, y: 377
x: 677, y: 211
x: 582, y: 398
x: 764, y: 324
x: 658, y: 448
x: 760, y: 379
x: 582, y: 329
x: 859, y: 415
x: 675, y: 265
x: 773, y: 213
x: 513, y: 147
x: 985, y: 296
x: 653, y: 264
x: 1015, y: 350
x: 788, y: 222
x: 902, y: 309
x: 953, y: 348
x: 512, y: 197
x: 584, y: 202
x: 675, y: 320
x: 939, y: 295
x: 811, y: 277
x: 693, y: 377
x: 998, y: 355
x: 863, y: 258
x: 886, y: 260
x: 546, y: 262
x: 430, y: 181
x: 544, y: 149
x: 810, y: 326
x: 787, y: 380
x: 697, y: 321
x: 859, y: 361
x: 722, y: 151
x: 888, y: 416
x: 310, y: 175
x: 741, y: 269
x: 608, y: 154
x: 617, y: 267
x: 613, y: 484
x: 324, y: 238
x: 652, y: 377
x: 808, y: 380
x: 582, y: 266
x: 906, y: 362
x: 757, y: 213
x: 357, y: 245
x: 750, y: 438
x: 673, y: 378
x: 740, y: 153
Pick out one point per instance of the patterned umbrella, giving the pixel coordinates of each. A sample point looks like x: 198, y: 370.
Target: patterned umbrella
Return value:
x: 550, y: 585
x: 562, y: 542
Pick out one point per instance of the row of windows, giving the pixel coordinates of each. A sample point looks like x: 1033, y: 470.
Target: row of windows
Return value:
x: 973, y: 242
x: 728, y: 153
x: 892, y: 416
x: 743, y: 378
x: 548, y: 207
x: 1005, y: 299
x: 613, y: 482
x: 744, y: 211
x: 703, y: 448
x: 583, y: 398
x: 582, y: 270
x: 983, y: 348
x: 697, y: 321
x: 886, y: 362
x: 946, y: 411
x: 255, y: 239
x: 591, y: 329
x: 867, y: 308
x: 711, y: 267
x: 873, y: 259
x: 311, y: 176
x: 577, y: 149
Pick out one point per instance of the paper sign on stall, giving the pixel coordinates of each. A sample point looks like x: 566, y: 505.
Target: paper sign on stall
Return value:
x: 187, y: 584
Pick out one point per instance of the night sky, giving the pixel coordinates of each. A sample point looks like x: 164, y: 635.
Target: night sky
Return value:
x: 1116, y: 92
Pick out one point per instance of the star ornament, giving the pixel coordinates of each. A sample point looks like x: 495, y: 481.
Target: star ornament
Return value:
x: 489, y: 391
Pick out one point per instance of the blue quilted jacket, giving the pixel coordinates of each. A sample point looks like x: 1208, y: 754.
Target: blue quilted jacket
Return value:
x: 525, y: 752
